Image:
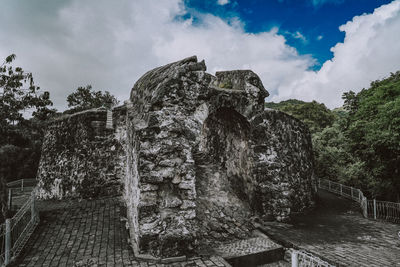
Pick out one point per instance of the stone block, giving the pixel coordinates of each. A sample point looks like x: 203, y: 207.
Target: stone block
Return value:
x: 148, y: 198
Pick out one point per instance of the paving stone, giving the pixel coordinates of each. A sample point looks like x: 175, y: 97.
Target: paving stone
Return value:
x: 338, y: 233
x: 86, y: 233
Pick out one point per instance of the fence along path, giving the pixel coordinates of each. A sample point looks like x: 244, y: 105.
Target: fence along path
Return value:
x: 15, y: 231
x: 301, y: 258
x: 19, y: 192
x: 376, y: 209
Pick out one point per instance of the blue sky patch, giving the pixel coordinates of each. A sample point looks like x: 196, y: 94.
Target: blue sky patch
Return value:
x: 311, y: 26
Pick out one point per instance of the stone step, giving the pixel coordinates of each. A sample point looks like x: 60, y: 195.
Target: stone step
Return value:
x: 251, y: 252
x: 276, y: 264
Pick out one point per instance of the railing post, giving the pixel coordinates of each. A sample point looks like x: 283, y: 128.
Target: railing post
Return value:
x: 374, y: 208
x: 9, y: 198
x: 295, y: 259
x: 341, y: 189
x: 33, y: 210
x: 319, y: 183
x: 329, y: 183
x: 22, y: 185
x: 8, y: 242
x: 351, y: 192
x: 365, y: 201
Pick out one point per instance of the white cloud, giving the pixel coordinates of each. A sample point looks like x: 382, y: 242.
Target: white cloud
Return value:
x: 298, y: 35
x: 110, y: 46
x: 222, y: 2
x: 72, y: 43
x: 370, y: 51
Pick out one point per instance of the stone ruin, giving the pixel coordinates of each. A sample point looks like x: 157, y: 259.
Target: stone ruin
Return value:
x: 195, y: 156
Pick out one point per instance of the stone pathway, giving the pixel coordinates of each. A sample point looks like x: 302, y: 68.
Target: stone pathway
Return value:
x: 87, y: 233
x: 93, y: 233
x: 337, y: 232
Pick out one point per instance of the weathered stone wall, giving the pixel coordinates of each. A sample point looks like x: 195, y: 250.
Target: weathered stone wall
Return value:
x: 223, y: 177
x: 283, y: 166
x: 203, y: 152
x: 196, y: 154
x: 162, y: 172
x: 80, y: 157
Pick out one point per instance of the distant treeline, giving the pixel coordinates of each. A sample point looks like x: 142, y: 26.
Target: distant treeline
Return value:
x: 359, y: 143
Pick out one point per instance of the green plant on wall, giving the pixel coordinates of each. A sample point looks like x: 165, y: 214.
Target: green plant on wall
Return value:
x: 226, y: 84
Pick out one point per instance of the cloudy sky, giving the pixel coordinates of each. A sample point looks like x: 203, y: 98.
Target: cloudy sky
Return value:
x: 304, y: 49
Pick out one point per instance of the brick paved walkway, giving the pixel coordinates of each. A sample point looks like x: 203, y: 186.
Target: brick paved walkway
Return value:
x: 338, y: 233
x: 93, y: 233
x: 87, y: 233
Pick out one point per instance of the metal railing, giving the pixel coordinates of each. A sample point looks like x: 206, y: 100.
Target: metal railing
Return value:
x: 300, y: 258
x: 22, y: 183
x: 17, y: 191
x: 376, y: 209
x: 384, y: 210
x: 15, y: 231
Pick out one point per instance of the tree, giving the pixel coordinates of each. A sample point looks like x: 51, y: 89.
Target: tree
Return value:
x: 332, y: 157
x: 19, y: 93
x: 84, y: 98
x: 315, y: 115
x: 350, y: 102
x: 374, y: 135
x: 20, y: 139
x: 362, y: 146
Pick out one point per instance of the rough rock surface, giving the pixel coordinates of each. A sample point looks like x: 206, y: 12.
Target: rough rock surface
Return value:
x: 207, y: 157
x: 81, y: 157
x: 201, y: 157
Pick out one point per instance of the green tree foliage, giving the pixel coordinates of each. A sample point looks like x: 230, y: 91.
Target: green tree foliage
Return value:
x: 20, y: 139
x: 358, y: 144
x: 84, y: 98
x: 283, y: 104
x: 315, y: 115
x: 19, y: 93
x: 329, y: 141
x: 19, y: 136
x: 333, y: 159
x: 374, y: 134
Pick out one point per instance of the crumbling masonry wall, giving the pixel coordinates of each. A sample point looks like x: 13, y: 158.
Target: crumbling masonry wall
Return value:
x: 81, y: 157
x: 207, y: 157
x: 197, y: 156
